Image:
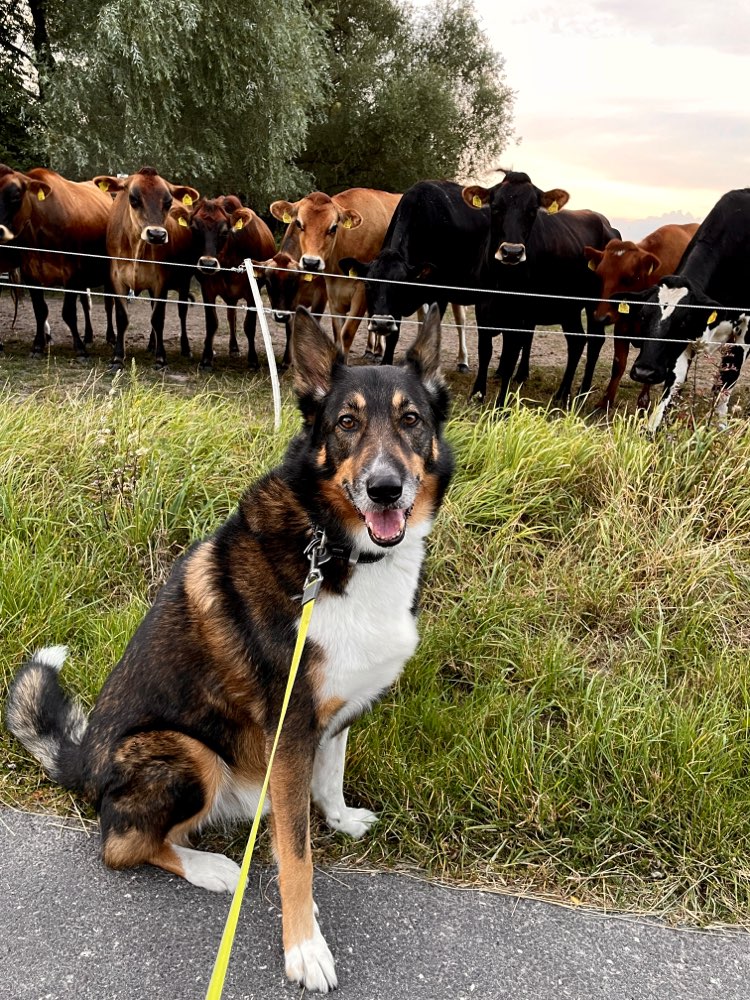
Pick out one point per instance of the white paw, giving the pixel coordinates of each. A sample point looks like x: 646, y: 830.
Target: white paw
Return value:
x: 209, y: 871
x: 355, y: 822
x: 311, y: 964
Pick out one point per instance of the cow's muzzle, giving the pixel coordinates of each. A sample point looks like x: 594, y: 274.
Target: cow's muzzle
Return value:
x: 644, y: 372
x: 6, y: 235
x: 156, y: 235
x: 511, y: 253
x: 208, y: 265
x: 311, y: 263
x: 382, y: 325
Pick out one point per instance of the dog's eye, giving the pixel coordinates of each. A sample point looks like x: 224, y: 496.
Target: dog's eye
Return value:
x: 347, y: 422
x: 410, y: 419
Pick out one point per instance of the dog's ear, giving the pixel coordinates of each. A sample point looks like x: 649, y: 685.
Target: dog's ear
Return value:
x: 315, y: 356
x: 424, y: 357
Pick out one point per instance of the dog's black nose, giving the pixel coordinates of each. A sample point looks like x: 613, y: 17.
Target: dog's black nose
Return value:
x: 385, y: 488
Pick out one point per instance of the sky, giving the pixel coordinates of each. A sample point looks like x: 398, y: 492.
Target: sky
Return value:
x: 640, y: 110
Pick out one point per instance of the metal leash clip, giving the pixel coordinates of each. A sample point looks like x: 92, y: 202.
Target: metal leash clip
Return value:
x: 318, y: 555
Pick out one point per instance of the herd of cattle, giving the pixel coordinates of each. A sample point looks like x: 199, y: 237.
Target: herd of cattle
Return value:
x: 511, y: 250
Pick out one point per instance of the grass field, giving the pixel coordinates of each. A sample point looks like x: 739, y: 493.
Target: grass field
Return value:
x: 576, y: 720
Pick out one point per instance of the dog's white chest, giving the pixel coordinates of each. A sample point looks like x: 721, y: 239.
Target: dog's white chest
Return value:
x: 368, y: 633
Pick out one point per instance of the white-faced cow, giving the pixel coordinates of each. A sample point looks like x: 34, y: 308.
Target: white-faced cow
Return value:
x: 148, y: 232
x: 56, y: 220
x: 535, y: 250
x: 700, y: 306
x: 624, y: 266
x: 350, y: 224
x: 225, y: 235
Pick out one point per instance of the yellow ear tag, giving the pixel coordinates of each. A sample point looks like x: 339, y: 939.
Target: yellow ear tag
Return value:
x: 308, y: 277
x: 238, y: 224
x: 353, y: 273
x: 40, y: 194
x: 476, y: 201
x: 623, y: 308
x: 286, y: 217
x: 712, y: 318
x: 103, y: 186
x: 592, y: 265
x: 187, y: 200
x: 553, y: 208
x: 256, y: 273
x: 183, y: 221
x: 347, y: 223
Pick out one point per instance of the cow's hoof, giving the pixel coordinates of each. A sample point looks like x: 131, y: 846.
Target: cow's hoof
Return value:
x: 206, y: 366
x: 83, y: 359
x: 116, y: 366
x: 464, y: 369
x: 477, y: 398
x: 36, y: 355
x: 234, y: 352
x: 186, y: 354
x: 368, y: 355
x: 159, y: 366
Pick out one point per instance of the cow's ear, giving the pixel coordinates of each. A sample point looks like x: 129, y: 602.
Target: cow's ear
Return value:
x: 187, y: 195
x: 110, y: 185
x: 555, y: 199
x: 39, y: 189
x: 284, y: 211
x: 350, y: 219
x: 476, y: 196
x: 230, y: 203
x: 240, y: 218
x: 650, y: 263
x: 353, y: 267
x: 593, y: 256
x: 181, y: 214
x: 315, y: 357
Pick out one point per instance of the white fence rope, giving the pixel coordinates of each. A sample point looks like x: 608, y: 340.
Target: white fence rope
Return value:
x: 383, y: 281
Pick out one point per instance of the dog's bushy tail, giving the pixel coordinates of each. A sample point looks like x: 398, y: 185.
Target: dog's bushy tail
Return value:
x: 45, y: 719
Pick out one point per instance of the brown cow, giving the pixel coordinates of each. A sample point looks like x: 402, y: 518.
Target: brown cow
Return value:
x: 225, y: 235
x: 151, y: 232
x: 289, y: 286
x: 351, y: 224
x: 625, y: 267
x: 56, y: 219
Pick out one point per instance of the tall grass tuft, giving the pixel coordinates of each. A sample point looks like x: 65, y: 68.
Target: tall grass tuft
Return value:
x: 575, y: 721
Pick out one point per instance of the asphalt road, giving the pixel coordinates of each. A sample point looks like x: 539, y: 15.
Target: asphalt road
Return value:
x: 72, y: 930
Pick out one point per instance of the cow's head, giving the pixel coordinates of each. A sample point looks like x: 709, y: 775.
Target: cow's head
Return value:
x: 17, y: 194
x: 514, y: 204
x: 288, y: 286
x: 390, y: 288
x: 211, y: 223
x: 621, y: 267
x: 675, y: 315
x: 317, y: 219
x: 149, y: 200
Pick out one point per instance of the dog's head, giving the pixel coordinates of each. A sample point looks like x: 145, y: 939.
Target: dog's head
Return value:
x: 376, y: 464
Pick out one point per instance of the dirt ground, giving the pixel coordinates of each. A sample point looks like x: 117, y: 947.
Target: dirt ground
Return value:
x: 547, y: 358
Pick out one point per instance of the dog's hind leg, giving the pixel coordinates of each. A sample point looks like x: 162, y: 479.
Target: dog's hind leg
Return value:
x: 161, y: 788
x: 307, y: 957
x: 328, y: 789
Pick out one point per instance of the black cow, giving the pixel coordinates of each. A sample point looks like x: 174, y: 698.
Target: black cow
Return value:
x: 531, y: 248
x: 699, y: 306
x: 433, y: 239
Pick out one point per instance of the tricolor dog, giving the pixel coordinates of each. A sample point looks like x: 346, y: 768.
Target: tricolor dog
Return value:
x: 179, y: 735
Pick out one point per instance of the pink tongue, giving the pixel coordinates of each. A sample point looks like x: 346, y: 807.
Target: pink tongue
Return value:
x: 386, y: 524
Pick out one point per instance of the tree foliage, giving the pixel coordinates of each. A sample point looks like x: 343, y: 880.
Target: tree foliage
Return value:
x: 414, y: 95
x: 264, y: 99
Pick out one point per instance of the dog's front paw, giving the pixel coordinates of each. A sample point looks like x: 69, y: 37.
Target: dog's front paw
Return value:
x: 209, y: 871
x: 311, y: 964
x: 355, y: 822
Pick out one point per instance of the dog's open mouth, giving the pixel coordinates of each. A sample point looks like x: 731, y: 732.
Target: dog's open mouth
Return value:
x: 386, y: 527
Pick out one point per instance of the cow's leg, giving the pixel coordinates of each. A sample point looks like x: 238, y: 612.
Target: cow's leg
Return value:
x: 390, y: 345
x: 70, y: 317
x: 459, y: 315
x: 514, y: 345
x: 212, y: 323
x: 109, y: 308
x: 183, y: 291
x: 619, y: 364
x: 357, y: 309
x: 307, y: 957
x: 729, y: 371
x: 157, y: 326
x: 288, y: 349
x: 234, y: 347
x: 484, y: 351
x: 249, y: 326
x: 672, y: 385
x: 122, y: 320
x: 522, y: 372
x: 594, y: 343
x: 576, y: 342
x: 88, y: 330
x: 41, y: 312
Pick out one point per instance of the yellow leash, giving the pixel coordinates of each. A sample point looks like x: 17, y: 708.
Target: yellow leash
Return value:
x: 316, y: 553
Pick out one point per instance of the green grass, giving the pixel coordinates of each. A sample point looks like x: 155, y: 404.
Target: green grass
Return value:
x: 576, y: 719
